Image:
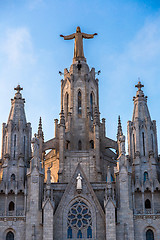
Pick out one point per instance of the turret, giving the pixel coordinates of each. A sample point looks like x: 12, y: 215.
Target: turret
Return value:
x: 16, y: 150
x: 142, y: 138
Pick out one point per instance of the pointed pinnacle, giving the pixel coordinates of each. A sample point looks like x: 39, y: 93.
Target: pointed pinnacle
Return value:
x: 40, y: 123
x: 119, y: 132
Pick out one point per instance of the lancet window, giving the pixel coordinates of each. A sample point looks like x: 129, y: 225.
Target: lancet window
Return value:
x: 79, y: 223
x: 91, y: 105
x: 15, y: 139
x: 24, y: 145
x: 79, y: 104
x: 147, y: 204
x: 134, y: 145
x: 11, y: 206
x: 143, y: 140
x: 149, y: 235
x: 10, y: 236
x: 79, y: 145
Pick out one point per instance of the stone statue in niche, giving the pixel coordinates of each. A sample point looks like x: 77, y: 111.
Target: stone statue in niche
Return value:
x: 35, y: 147
x: 79, y: 182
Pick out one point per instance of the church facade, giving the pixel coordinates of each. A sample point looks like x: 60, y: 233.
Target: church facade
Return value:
x: 80, y: 189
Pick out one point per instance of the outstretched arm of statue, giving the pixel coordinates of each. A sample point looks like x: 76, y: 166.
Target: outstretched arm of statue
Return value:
x: 68, y: 37
x: 86, y: 35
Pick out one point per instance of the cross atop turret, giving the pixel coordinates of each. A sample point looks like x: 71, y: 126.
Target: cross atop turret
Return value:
x: 139, y: 86
x: 18, y: 88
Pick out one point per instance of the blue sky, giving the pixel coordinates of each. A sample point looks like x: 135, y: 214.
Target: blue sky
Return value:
x: 32, y: 53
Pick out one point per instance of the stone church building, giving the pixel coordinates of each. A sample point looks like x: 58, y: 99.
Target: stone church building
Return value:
x: 85, y: 186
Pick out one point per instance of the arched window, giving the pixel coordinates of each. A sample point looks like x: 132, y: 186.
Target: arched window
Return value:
x: 89, y: 232
x: 91, y: 144
x: 67, y: 102
x: 80, y: 220
x: 10, y: 236
x: 13, y: 177
x: 143, y: 140
x: 15, y: 139
x: 24, y: 145
x: 79, y: 145
x: 134, y: 145
x: 67, y: 144
x: 69, y: 235
x: 79, y: 104
x: 6, y: 145
x: 79, y: 234
x: 11, y: 206
x: 91, y: 105
x: 147, y: 204
x: 149, y: 235
x: 145, y: 176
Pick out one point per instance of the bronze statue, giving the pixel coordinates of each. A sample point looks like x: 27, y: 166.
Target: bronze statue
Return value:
x: 78, y: 46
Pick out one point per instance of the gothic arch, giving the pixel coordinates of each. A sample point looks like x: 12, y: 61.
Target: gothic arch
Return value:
x: 79, y: 219
x: 79, y: 103
x: 10, y: 235
x: 11, y: 206
x: 92, y: 103
x: 148, y: 230
x: 10, y: 232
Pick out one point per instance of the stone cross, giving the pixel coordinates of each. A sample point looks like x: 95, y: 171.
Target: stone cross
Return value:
x: 18, y: 88
x: 139, y: 86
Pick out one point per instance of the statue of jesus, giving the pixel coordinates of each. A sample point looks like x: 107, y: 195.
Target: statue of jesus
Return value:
x: 78, y: 46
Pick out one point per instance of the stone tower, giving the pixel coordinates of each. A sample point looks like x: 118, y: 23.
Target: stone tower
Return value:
x: 143, y: 158
x: 16, y: 154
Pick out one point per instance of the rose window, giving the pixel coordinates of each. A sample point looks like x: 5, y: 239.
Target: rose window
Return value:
x: 79, y: 221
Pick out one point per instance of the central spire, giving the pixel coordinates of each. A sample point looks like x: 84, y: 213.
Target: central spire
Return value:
x: 78, y: 45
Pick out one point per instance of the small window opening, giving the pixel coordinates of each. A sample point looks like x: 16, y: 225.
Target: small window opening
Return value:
x: 79, y: 104
x: 79, y: 234
x: 89, y: 232
x: 147, y: 204
x: 79, y: 145
x: 13, y: 177
x: 67, y: 145
x: 24, y: 144
x: 134, y: 145
x: 92, y: 144
x: 11, y: 206
x: 69, y: 234
x: 6, y: 145
x: 91, y: 105
x: 15, y: 140
x: 149, y: 235
x: 10, y: 236
x: 143, y: 143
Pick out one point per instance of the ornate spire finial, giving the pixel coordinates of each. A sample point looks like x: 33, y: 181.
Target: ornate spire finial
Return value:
x: 139, y: 85
x: 119, y: 132
x: 40, y: 132
x: 18, y: 88
x: 40, y: 123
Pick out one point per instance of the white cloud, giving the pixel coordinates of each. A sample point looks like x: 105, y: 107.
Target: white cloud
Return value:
x: 32, y: 4
x: 16, y: 47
